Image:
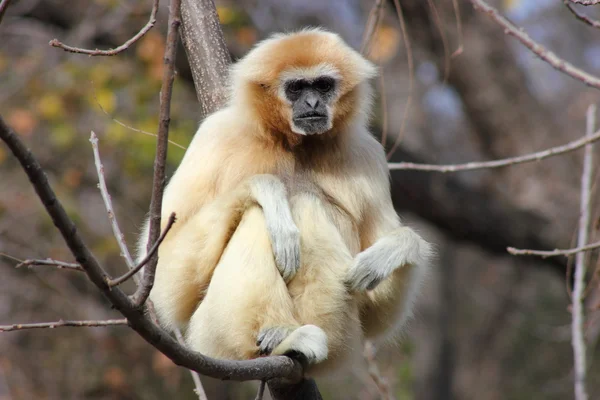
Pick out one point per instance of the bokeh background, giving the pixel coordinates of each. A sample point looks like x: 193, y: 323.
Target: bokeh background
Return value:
x: 488, y: 326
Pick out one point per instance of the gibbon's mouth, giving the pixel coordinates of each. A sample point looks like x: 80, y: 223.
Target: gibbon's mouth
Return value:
x: 311, y: 116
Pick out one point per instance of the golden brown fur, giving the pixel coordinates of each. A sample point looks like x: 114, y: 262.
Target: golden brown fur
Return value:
x: 216, y: 275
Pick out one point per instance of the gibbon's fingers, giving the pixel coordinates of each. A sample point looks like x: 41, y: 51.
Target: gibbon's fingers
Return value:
x: 270, y: 338
x: 271, y: 195
x: 379, y: 261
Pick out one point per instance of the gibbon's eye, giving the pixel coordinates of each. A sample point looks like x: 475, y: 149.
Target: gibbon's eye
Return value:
x: 323, y: 85
x: 295, y: 87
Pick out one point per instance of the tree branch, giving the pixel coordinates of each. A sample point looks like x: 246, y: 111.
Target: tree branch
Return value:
x: 553, y: 253
x: 257, y: 369
x: 3, y: 7
x: 116, y: 50
x: 62, y: 323
x: 160, y: 160
x: 51, y: 263
x: 149, y: 255
x: 583, y: 18
x: 577, y: 336
x: 539, y: 50
x: 470, y: 166
x: 585, y: 2
x: 108, y: 204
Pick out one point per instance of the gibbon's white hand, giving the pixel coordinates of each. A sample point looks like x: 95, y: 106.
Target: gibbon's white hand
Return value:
x: 379, y: 261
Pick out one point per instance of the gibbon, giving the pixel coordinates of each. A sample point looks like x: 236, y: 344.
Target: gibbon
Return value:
x: 287, y: 241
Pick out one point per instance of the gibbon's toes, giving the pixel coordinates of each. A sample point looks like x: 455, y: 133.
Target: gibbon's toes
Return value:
x: 286, y: 248
x: 308, y: 344
x: 269, y: 338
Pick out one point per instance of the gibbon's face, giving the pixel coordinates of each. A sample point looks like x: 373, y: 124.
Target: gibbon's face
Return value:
x: 311, y: 100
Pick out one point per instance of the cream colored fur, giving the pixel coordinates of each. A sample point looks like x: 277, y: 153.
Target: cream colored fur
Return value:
x: 228, y: 271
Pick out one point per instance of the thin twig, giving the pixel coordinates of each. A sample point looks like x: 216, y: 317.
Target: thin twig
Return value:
x: 379, y: 381
x: 124, y: 125
x: 160, y: 160
x: 384, y: 111
x: 553, y: 253
x: 546, y: 55
x: 62, y: 323
x: 584, y: 18
x: 371, y: 26
x: 585, y: 2
x: 459, y: 31
x: 261, y: 391
x: 411, y: 77
x: 51, y: 263
x: 198, y: 388
x: 47, y: 262
x: 147, y: 257
x: 3, y: 7
x: 551, y: 152
x: 108, y: 204
x: 577, y: 335
x: 116, y: 50
x: 438, y: 23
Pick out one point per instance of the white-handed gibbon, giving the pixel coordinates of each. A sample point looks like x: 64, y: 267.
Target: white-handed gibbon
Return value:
x: 287, y: 241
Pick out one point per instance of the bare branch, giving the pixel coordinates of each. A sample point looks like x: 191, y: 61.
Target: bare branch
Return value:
x: 539, y: 50
x: 371, y: 26
x: 261, y: 391
x: 551, y: 152
x: 108, y: 204
x: 160, y: 160
x: 374, y: 373
x: 584, y: 18
x: 411, y: 77
x: 3, y: 7
x: 459, y: 31
x: 62, y: 323
x: 257, y: 369
x: 577, y: 336
x: 198, y: 388
x: 585, y: 2
x: 149, y: 255
x: 51, y: 263
x: 553, y: 253
x: 116, y: 50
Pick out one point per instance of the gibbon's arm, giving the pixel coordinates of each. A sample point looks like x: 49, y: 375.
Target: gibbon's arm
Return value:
x: 393, y: 261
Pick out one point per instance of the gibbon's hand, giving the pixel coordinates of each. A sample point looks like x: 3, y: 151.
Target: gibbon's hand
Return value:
x: 379, y: 261
x: 271, y: 194
x: 285, y: 241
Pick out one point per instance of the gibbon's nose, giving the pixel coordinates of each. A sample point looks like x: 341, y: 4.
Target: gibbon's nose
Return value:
x: 312, y: 101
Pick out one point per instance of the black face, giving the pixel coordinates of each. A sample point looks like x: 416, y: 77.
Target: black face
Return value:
x: 309, y: 100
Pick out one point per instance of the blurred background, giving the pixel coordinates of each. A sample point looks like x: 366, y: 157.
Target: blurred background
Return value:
x: 488, y: 325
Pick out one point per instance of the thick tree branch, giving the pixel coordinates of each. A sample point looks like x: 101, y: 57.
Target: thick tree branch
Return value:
x: 116, y: 50
x: 160, y: 160
x: 258, y: 369
x: 62, y: 323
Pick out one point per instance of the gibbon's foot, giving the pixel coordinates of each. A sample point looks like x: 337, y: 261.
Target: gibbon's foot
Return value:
x: 307, y: 344
x: 269, y: 338
x: 379, y: 261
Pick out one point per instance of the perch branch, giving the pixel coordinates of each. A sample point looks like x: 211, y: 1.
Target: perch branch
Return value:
x: 160, y: 160
x: 116, y: 50
x: 539, y: 50
x: 258, y: 369
x: 62, y: 323
x: 470, y: 166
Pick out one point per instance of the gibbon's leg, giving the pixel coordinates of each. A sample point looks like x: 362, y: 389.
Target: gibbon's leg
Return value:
x: 247, y: 296
x: 318, y: 292
x: 190, y: 253
x: 391, y: 271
